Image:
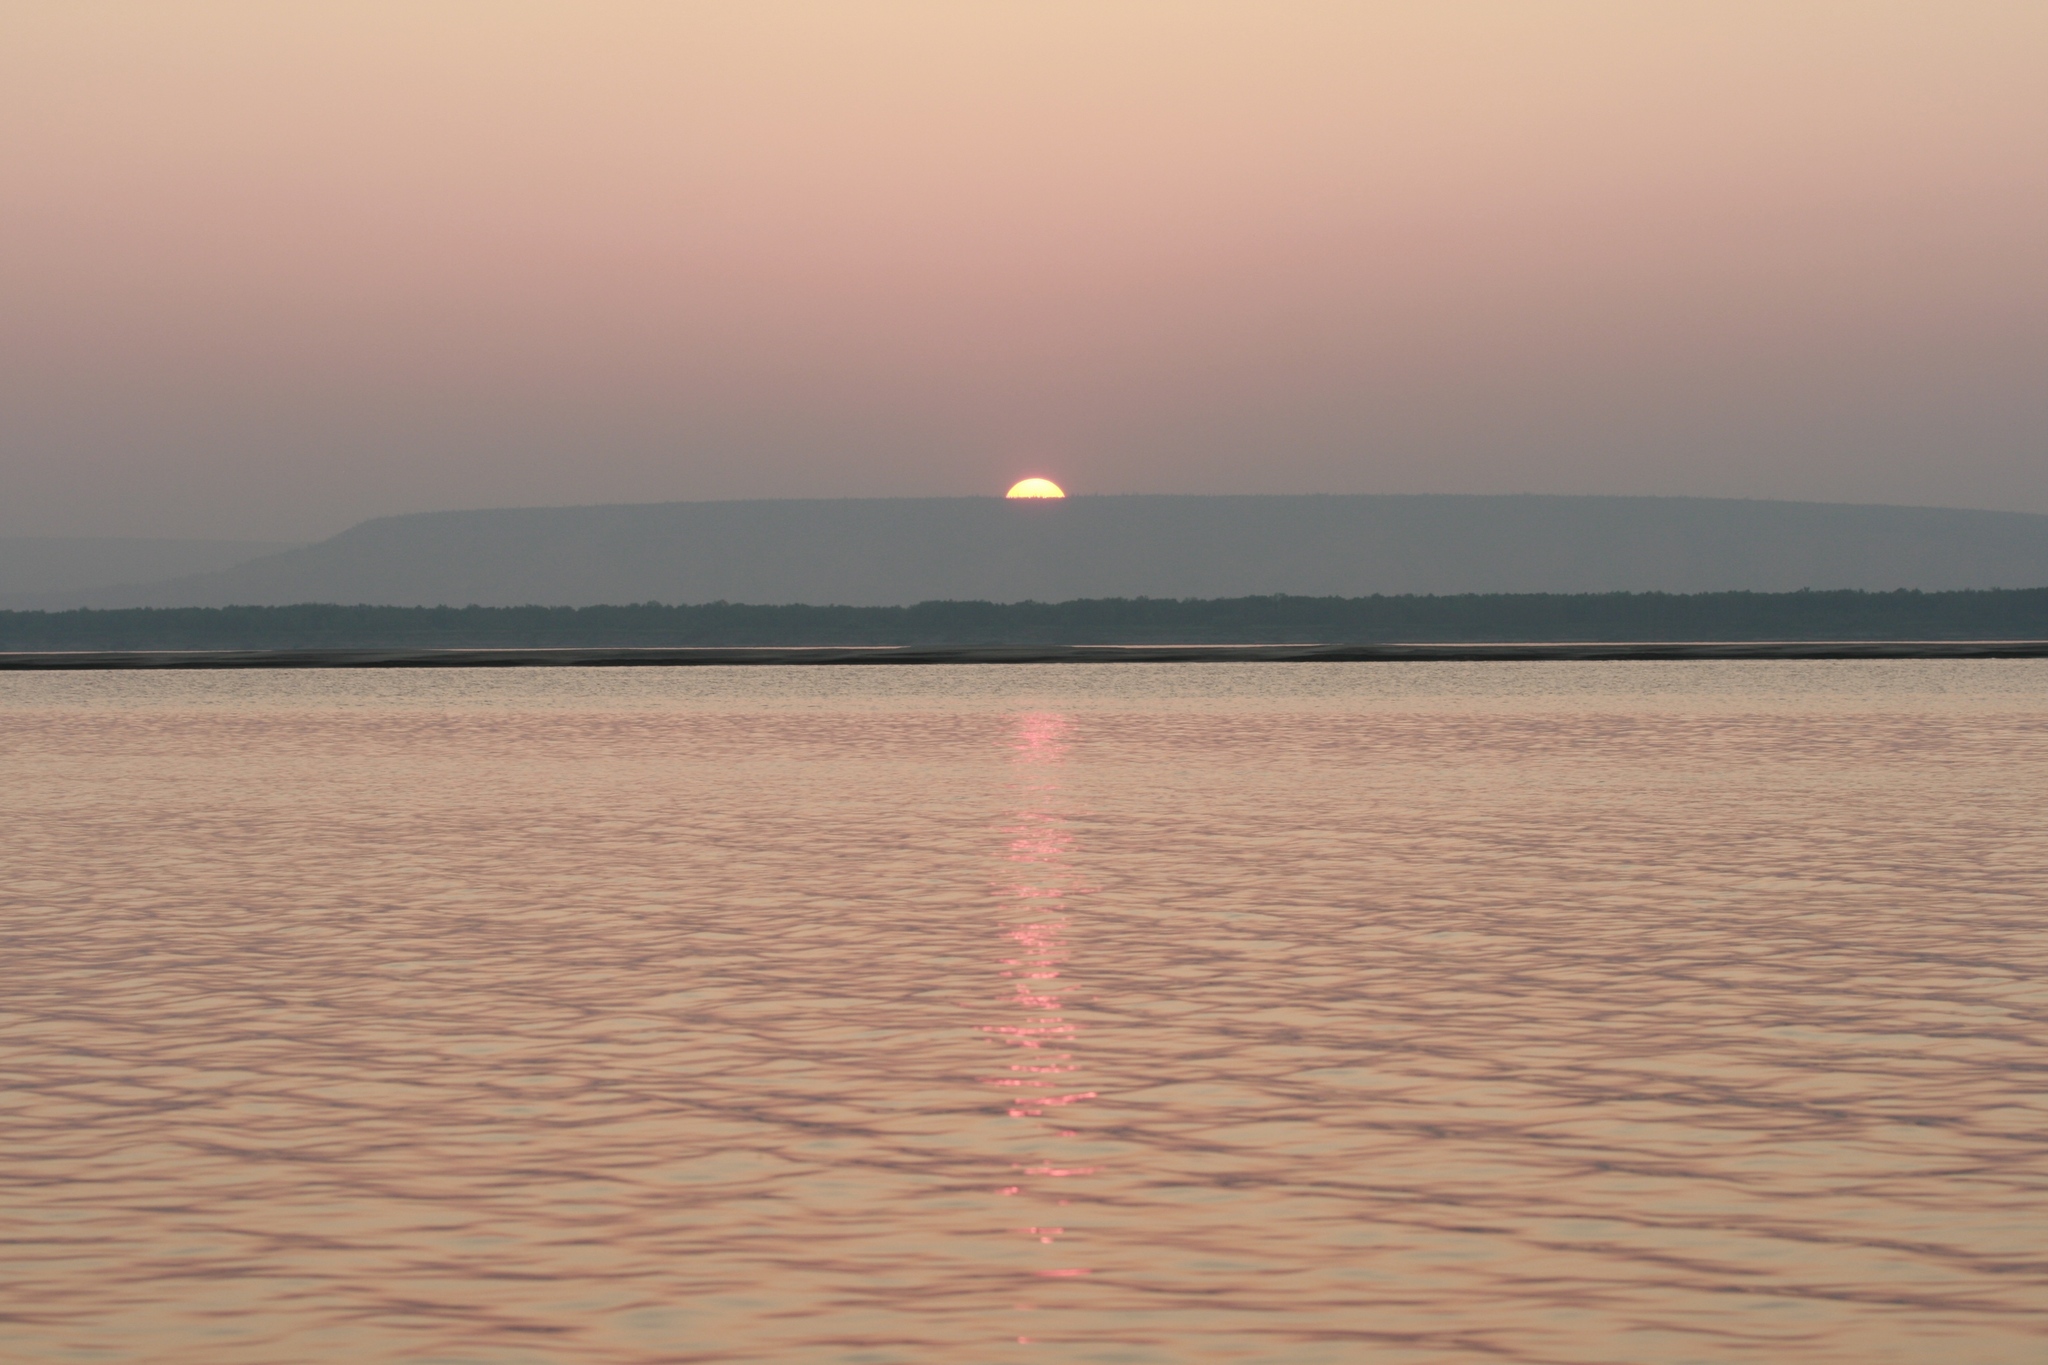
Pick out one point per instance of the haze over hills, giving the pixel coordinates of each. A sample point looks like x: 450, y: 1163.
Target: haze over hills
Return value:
x: 34, y: 569
x: 896, y: 551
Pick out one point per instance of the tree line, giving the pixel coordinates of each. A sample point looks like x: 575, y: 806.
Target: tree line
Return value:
x: 1470, y: 617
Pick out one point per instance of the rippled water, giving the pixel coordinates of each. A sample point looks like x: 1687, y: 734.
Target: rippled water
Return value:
x: 1515, y: 1012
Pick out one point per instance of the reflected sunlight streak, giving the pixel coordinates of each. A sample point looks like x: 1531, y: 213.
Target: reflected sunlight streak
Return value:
x: 1035, y: 1082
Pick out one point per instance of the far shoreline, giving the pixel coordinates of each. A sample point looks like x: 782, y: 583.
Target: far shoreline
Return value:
x: 901, y: 656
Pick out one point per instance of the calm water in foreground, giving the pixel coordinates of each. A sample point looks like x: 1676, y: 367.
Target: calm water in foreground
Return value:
x: 1393, y: 1013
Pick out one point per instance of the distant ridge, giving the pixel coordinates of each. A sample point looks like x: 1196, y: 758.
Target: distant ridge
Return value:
x: 897, y: 551
x: 35, y: 569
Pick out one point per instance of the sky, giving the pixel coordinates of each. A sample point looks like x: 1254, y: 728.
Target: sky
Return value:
x: 269, y: 269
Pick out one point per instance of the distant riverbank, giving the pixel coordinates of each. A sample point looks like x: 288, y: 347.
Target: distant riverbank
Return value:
x: 2014, y: 614
x: 870, y: 656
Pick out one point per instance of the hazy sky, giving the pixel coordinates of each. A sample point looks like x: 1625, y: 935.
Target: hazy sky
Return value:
x: 266, y: 269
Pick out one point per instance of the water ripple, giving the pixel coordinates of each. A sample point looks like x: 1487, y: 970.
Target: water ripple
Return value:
x: 1531, y: 1016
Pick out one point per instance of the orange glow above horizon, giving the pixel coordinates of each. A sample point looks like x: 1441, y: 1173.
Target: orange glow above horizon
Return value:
x: 271, y: 269
x: 1035, y: 488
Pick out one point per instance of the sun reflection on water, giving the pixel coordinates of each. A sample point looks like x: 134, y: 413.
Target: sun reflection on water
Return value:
x: 1039, y: 1084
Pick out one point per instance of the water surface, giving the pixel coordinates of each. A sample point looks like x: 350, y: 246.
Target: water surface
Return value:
x: 1468, y: 1012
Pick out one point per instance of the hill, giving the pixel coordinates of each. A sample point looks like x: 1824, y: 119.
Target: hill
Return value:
x: 36, y: 569
x: 898, y: 551
x: 902, y: 551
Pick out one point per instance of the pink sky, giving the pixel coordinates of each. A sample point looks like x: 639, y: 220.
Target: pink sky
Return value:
x: 269, y: 269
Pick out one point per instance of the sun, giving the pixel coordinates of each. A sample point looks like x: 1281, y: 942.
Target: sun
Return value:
x: 1035, y: 488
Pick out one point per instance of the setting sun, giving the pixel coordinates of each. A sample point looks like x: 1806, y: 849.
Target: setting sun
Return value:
x: 1035, y: 488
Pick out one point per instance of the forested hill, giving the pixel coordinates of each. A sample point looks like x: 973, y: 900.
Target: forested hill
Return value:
x: 1990, y: 614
